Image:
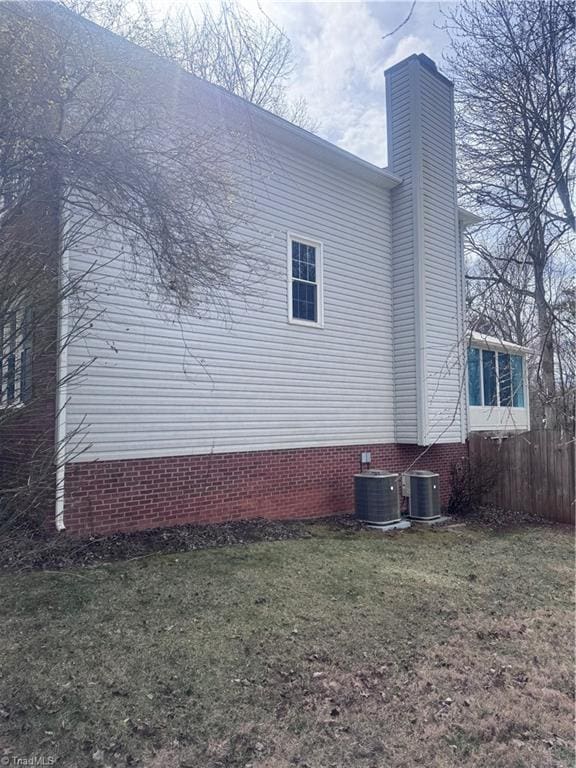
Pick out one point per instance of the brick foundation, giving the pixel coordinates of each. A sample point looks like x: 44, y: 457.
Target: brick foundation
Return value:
x: 106, y: 496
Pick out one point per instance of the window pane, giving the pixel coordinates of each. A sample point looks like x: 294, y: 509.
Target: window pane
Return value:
x: 504, y: 379
x: 26, y: 357
x: 303, y: 301
x: 489, y: 376
x: 25, y: 375
x: 303, y: 262
x: 11, y: 378
x: 474, y: 389
x: 517, y: 381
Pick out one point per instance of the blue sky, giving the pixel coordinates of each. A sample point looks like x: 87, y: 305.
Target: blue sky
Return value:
x: 340, y: 59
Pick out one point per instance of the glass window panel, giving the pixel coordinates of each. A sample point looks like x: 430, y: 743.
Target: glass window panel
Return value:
x: 303, y: 262
x: 303, y: 301
x: 489, y: 377
x: 25, y: 375
x: 516, y: 366
x: 11, y: 378
x: 26, y: 357
x: 474, y: 387
x: 504, y: 379
x: 11, y: 358
x: 311, y: 263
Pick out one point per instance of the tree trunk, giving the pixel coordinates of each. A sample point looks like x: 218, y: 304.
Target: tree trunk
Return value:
x: 546, y: 374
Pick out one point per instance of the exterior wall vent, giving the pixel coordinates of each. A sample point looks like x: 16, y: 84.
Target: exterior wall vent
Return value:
x: 377, y: 497
x: 424, y: 494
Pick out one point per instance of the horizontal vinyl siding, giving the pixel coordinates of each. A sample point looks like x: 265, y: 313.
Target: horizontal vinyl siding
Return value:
x: 247, y: 379
x: 443, y: 321
x: 400, y: 151
x: 427, y: 279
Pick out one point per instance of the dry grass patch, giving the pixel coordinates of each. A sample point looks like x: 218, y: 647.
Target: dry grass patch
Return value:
x: 343, y: 649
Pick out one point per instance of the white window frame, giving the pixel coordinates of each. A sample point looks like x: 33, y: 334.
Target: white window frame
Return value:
x: 497, y: 371
x: 317, y: 244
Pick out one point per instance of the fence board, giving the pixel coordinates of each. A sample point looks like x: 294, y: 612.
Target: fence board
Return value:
x: 536, y: 472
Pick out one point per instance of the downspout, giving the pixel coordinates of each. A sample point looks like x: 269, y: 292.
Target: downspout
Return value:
x: 61, y: 389
x: 61, y: 333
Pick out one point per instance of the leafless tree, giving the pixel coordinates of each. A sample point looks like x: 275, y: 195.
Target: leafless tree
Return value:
x: 513, y: 66
x: 224, y: 44
x: 495, y: 310
x: 98, y: 139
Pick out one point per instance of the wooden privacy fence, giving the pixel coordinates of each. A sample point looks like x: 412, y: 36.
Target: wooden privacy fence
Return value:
x: 535, y: 472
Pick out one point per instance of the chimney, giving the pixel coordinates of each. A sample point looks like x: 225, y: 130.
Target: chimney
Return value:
x: 428, y: 295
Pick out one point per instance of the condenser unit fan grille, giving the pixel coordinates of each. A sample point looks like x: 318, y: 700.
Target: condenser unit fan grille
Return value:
x: 376, y: 496
x: 424, y: 495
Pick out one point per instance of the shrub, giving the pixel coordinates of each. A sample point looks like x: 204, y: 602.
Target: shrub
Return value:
x: 470, y: 481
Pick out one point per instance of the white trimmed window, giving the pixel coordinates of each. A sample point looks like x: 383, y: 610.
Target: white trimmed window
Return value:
x: 15, y: 357
x: 495, y: 379
x: 305, y: 281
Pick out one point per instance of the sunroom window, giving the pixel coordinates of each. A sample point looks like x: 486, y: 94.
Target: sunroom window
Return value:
x: 495, y: 378
x: 517, y: 373
x: 489, y: 377
x: 474, y: 383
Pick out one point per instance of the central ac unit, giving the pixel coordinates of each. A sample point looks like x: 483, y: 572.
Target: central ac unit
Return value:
x: 423, y: 491
x: 377, y: 497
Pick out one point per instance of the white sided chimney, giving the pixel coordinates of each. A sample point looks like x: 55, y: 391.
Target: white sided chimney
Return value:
x: 428, y: 303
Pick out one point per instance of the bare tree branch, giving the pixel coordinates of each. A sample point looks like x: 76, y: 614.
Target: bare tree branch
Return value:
x: 513, y: 67
x: 95, y: 147
x: 402, y: 23
x: 247, y: 55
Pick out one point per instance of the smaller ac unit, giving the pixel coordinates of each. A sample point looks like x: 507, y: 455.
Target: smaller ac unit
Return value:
x: 376, y: 496
x: 424, y: 494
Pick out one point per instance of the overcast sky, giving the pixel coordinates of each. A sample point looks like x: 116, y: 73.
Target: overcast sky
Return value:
x: 340, y: 60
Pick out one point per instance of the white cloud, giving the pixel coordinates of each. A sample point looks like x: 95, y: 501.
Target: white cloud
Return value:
x: 367, y: 137
x: 340, y: 62
x: 340, y: 57
x: 406, y: 47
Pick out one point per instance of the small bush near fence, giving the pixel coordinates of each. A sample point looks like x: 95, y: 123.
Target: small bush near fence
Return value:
x: 470, y: 481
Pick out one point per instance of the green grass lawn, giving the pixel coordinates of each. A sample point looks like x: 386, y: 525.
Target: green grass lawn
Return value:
x: 346, y: 649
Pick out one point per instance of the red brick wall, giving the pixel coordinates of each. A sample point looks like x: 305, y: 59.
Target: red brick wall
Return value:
x: 133, y: 494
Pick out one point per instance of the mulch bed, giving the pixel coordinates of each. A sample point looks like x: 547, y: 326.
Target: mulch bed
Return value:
x: 498, y: 518
x: 26, y: 553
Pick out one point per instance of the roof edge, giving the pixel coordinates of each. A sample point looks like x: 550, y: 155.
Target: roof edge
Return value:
x: 382, y: 175
x: 467, y: 218
x: 491, y: 342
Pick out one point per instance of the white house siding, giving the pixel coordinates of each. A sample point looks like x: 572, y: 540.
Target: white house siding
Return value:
x: 428, y: 306
x: 400, y: 158
x: 499, y: 420
x: 444, y: 327
x: 247, y: 379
